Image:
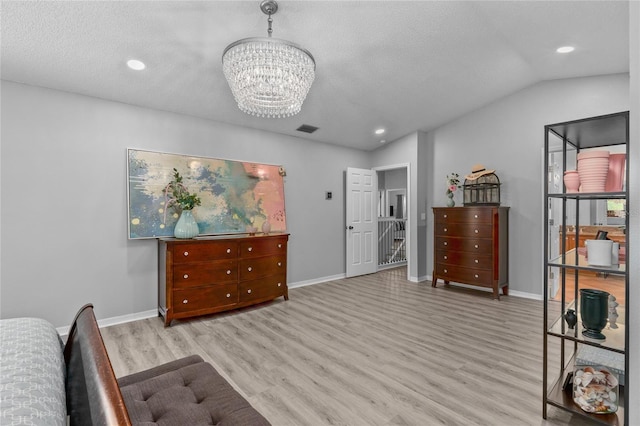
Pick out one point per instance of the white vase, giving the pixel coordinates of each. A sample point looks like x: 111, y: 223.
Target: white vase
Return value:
x: 186, y: 227
x: 266, y: 227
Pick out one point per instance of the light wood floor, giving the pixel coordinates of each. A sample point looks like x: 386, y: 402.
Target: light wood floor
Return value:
x: 371, y: 350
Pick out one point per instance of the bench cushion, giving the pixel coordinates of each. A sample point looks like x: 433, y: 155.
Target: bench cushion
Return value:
x: 188, y: 391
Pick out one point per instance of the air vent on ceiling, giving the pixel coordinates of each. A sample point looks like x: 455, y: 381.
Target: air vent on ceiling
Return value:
x: 306, y: 128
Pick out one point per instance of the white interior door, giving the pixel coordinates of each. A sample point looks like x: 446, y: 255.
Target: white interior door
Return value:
x: 361, y: 221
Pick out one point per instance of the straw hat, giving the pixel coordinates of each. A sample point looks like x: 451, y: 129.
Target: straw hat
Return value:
x: 477, y: 171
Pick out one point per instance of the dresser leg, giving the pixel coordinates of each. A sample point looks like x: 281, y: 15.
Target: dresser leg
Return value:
x: 505, y: 290
x: 286, y: 296
x: 434, y: 281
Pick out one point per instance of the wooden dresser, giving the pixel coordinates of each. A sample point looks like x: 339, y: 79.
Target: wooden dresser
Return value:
x: 215, y: 274
x: 471, y: 246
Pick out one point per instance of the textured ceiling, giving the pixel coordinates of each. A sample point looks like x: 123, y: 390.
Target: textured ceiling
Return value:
x: 405, y: 66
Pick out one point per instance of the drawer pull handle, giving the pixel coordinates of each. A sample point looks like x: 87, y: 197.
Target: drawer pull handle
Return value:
x: 249, y: 291
x: 228, y: 250
x: 249, y: 269
x: 228, y: 271
x: 445, y: 258
x: 475, y: 216
x: 476, y: 275
x: 476, y: 231
x: 250, y: 249
x: 279, y: 284
x: 185, y: 276
x: 476, y: 260
x: 445, y: 271
x: 186, y: 253
x: 279, y: 245
x: 445, y: 243
x: 228, y: 295
x: 476, y: 246
x: 279, y: 263
x: 185, y: 301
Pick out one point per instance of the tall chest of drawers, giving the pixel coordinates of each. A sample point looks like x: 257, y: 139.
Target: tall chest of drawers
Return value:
x: 208, y: 275
x: 471, y: 246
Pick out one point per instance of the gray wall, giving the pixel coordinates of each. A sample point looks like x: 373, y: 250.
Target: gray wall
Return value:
x: 508, y: 136
x: 64, y: 239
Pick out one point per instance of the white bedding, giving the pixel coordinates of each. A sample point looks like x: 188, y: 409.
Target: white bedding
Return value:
x: 32, y: 373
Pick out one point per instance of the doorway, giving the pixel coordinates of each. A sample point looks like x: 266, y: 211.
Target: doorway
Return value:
x: 393, y: 216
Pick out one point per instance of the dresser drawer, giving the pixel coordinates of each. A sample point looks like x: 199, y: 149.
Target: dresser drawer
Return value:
x: 464, y: 230
x: 464, y: 259
x: 481, y: 277
x: 266, y: 288
x: 471, y: 245
x: 206, y: 250
x: 250, y: 269
x: 203, y: 273
x: 263, y: 246
x: 199, y: 298
x: 463, y: 215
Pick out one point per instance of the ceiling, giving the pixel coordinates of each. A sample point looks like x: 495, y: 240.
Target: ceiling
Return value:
x: 401, y: 65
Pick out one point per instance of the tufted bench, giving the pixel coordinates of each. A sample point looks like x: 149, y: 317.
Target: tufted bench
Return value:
x: 187, y: 391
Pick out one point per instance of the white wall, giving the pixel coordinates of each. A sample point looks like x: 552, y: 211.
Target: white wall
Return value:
x: 64, y: 234
x: 508, y: 136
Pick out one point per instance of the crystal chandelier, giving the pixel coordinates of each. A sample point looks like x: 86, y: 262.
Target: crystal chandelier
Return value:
x: 268, y: 77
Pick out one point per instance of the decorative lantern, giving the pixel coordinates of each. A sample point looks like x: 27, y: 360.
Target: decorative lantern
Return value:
x: 481, y: 187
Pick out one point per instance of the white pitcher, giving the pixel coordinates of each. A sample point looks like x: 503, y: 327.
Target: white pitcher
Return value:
x: 599, y: 252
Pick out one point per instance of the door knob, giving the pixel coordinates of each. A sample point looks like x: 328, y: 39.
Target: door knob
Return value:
x: 350, y: 227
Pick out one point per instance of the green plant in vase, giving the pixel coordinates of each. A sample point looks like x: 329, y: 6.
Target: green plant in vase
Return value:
x: 177, y: 195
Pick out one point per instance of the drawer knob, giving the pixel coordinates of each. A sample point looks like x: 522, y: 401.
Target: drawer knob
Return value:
x: 186, y: 253
x: 279, y: 284
x: 445, y: 243
x: 476, y: 275
x: 445, y: 258
x: 228, y: 250
x: 249, y: 291
x: 185, y: 276
x: 445, y: 271
x: 476, y: 231
x: 185, y: 301
x: 445, y: 215
x: 249, y: 269
x: 475, y: 216
x: 228, y: 271
x: 476, y: 246
x: 279, y: 245
x: 250, y: 249
x: 445, y: 229
x: 279, y: 263
x: 476, y: 260
x: 228, y: 295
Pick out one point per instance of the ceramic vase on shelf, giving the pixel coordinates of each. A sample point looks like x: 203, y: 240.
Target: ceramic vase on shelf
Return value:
x: 615, y: 176
x: 593, y: 168
x: 572, y: 181
x: 450, y: 202
x: 186, y: 227
x: 594, y: 311
x: 266, y: 227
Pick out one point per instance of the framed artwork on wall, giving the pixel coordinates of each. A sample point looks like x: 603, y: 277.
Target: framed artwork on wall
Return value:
x: 234, y: 194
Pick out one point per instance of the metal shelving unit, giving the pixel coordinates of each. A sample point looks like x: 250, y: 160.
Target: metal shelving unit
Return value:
x: 565, y: 269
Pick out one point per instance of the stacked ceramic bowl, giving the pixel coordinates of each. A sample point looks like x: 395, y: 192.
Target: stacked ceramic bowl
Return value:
x: 593, y: 167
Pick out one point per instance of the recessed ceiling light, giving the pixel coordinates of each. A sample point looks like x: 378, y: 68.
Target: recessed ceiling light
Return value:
x: 136, y: 65
x: 565, y: 49
x: 379, y: 131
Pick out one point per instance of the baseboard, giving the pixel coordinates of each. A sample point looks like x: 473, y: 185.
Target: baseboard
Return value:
x: 106, y: 322
x: 316, y: 281
x: 513, y: 293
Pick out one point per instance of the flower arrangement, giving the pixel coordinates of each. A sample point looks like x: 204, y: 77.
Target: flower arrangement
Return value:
x: 176, y: 194
x: 453, y: 181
